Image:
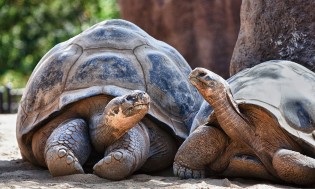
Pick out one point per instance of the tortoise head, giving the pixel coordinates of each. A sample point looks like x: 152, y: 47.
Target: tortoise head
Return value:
x: 130, y: 105
x: 209, y: 84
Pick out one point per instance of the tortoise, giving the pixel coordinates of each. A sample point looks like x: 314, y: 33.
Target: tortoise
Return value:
x: 112, y: 90
x: 259, y: 124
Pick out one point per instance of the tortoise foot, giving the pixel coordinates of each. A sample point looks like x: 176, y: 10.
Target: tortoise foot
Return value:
x: 198, y: 151
x: 125, y: 156
x: 61, y: 161
x: 115, y: 166
x: 185, y: 173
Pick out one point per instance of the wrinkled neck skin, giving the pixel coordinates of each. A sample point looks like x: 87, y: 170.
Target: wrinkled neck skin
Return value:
x: 106, y: 130
x: 229, y: 117
x: 216, y: 97
x: 115, y: 125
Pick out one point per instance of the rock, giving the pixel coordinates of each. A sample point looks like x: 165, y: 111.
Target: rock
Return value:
x: 204, y: 32
x: 275, y: 29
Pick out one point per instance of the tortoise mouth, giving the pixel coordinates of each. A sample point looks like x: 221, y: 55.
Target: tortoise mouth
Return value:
x: 136, y: 107
x: 197, y: 82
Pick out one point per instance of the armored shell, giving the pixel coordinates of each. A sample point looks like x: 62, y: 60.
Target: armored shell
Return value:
x: 113, y: 57
x: 284, y: 89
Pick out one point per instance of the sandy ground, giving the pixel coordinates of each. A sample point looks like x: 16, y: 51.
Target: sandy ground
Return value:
x: 15, y: 173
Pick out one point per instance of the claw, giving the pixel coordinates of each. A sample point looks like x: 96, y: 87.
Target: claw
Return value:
x: 118, y: 155
x: 69, y: 159
x: 108, y: 159
x: 186, y: 173
x: 62, y: 152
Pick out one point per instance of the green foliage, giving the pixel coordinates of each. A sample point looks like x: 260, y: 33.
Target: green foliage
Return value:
x: 29, y: 28
x: 16, y: 79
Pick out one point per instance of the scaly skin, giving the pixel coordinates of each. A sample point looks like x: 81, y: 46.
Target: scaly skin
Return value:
x: 67, y: 148
x: 125, y: 156
x: 199, y: 151
x: 83, y: 109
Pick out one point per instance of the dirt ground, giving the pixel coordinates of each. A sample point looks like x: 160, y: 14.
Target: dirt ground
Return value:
x: 15, y: 173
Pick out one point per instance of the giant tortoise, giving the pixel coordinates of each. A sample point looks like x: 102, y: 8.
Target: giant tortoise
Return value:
x: 262, y: 125
x: 112, y: 90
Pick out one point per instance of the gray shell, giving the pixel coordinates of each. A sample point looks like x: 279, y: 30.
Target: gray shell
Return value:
x: 283, y: 88
x: 112, y: 57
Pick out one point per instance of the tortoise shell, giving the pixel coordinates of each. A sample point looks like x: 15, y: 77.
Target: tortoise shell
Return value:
x: 284, y: 89
x: 114, y: 58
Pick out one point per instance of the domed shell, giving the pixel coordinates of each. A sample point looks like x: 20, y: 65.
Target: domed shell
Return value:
x: 284, y: 89
x: 113, y: 57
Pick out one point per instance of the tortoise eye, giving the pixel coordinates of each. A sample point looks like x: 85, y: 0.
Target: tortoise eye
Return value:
x: 116, y: 110
x: 131, y: 98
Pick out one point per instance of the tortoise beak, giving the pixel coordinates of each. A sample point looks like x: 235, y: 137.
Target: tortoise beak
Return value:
x: 136, y: 102
x: 138, y: 98
x: 200, y: 77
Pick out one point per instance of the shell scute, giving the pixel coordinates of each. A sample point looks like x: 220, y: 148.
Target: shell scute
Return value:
x: 116, y: 37
x: 171, y: 90
x: 49, y: 78
x: 108, y: 68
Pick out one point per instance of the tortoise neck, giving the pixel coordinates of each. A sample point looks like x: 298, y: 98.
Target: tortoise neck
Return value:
x: 230, y: 118
x: 237, y: 127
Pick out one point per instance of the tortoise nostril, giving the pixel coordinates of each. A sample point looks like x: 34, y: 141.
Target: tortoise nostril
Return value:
x: 130, y: 98
x: 141, y: 95
x: 201, y: 74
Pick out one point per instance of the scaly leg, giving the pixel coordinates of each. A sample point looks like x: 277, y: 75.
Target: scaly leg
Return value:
x: 126, y: 155
x: 200, y: 149
x: 67, y: 148
x: 294, y: 167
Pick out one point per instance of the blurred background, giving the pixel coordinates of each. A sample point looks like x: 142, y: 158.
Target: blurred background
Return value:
x: 203, y: 31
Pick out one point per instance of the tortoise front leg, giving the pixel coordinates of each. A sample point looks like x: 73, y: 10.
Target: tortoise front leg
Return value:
x: 126, y: 155
x: 163, y: 148
x: 198, y: 151
x: 294, y: 167
x: 67, y: 148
